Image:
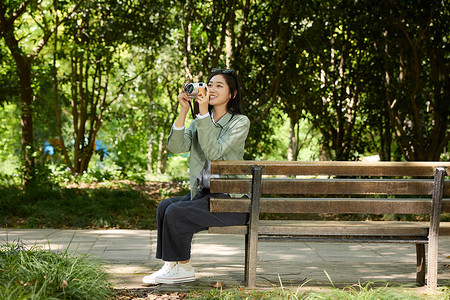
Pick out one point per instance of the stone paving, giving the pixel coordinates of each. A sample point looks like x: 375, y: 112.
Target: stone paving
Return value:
x: 129, y: 255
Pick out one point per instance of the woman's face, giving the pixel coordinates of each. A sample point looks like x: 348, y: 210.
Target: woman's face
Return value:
x: 219, y: 92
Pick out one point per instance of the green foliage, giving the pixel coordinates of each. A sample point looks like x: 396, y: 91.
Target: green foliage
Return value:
x: 9, y: 138
x: 54, y: 207
x: 178, y: 168
x: 9, y: 180
x: 341, y: 81
x: 100, y: 173
x: 9, y: 85
x: 37, y: 273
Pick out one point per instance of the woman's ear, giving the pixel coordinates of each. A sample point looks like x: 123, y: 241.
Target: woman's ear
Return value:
x: 235, y: 94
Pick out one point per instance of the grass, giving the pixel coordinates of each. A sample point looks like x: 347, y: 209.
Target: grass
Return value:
x: 375, y: 294
x: 355, y: 292
x: 37, y: 273
x: 122, y: 205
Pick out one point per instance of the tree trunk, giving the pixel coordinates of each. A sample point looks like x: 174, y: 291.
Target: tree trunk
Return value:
x: 186, y: 25
x: 293, y: 142
x: 26, y: 123
x: 386, y: 139
x: 150, y: 155
x: 161, y: 145
x: 149, y: 91
x: 23, y: 64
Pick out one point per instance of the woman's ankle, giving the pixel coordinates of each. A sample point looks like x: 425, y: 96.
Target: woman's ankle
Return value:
x: 184, y: 262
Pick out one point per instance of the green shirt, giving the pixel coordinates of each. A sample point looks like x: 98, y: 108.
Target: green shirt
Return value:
x: 205, y: 140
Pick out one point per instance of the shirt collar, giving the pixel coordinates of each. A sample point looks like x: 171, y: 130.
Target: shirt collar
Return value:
x: 223, y: 121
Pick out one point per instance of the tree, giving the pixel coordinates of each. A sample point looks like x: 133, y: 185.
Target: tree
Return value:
x: 260, y: 45
x: 99, y: 42
x: 414, y: 46
x: 368, y: 77
x: 12, y: 23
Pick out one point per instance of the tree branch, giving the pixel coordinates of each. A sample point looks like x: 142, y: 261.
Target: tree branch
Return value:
x: 47, y: 36
x: 19, y: 11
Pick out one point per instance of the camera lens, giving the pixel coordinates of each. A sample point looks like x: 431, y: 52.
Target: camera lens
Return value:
x: 188, y: 88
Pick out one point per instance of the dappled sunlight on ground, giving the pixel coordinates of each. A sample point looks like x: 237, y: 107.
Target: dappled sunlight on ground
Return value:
x: 129, y: 255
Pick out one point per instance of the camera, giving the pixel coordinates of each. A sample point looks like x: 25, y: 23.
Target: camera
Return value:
x: 192, y: 89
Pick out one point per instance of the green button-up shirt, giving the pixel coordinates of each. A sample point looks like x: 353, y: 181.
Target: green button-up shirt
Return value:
x: 205, y: 140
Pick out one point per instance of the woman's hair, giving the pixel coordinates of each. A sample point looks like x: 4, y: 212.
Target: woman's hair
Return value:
x: 234, y: 106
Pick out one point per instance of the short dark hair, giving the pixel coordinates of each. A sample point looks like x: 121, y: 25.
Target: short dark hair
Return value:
x: 234, y: 106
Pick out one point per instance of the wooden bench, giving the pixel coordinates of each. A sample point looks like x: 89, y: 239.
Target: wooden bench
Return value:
x: 338, y: 188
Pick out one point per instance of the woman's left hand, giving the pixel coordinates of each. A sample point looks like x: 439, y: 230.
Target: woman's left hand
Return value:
x: 203, y: 101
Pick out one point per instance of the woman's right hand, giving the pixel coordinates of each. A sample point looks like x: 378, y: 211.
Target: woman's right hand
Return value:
x: 184, y: 103
x: 184, y: 100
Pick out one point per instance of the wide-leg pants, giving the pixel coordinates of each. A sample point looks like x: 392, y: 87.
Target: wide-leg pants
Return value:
x: 179, y: 218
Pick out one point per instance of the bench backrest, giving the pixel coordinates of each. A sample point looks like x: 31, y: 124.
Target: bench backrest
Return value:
x: 393, y: 183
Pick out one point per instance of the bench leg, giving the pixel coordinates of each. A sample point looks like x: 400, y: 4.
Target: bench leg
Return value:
x: 246, y: 266
x: 420, y: 273
x: 433, y: 246
x: 251, y: 259
x: 433, y: 235
x: 251, y: 238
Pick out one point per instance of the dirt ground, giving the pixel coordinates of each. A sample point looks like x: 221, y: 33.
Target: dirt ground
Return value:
x: 148, y: 293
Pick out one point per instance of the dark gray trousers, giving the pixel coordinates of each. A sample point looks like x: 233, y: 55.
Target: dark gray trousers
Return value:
x: 179, y: 218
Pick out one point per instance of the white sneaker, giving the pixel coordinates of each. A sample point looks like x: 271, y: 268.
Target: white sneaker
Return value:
x: 176, y: 275
x: 166, y: 268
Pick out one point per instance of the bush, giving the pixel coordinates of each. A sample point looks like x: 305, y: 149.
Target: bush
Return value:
x: 36, y: 273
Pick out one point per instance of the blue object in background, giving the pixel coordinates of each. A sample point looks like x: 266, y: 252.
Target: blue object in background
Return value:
x: 48, y: 148
x: 101, y: 150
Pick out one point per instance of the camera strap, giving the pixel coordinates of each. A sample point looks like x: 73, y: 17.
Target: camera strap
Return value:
x: 192, y: 110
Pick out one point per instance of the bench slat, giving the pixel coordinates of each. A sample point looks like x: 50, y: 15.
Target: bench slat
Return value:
x: 345, y: 239
x: 330, y: 186
x: 339, y: 168
x: 337, y: 228
x: 328, y: 205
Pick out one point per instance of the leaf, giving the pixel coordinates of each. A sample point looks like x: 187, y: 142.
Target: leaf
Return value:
x: 216, y: 285
x: 64, y: 283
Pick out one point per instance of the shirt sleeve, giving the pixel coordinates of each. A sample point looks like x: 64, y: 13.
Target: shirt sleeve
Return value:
x: 199, y: 116
x: 177, y: 128
x: 180, y: 140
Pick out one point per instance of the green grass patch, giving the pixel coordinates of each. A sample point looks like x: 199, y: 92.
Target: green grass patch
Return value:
x: 355, y: 292
x: 37, y: 273
x: 367, y: 291
x: 111, y: 206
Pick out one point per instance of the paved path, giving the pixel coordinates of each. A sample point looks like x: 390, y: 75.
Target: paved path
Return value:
x: 129, y: 255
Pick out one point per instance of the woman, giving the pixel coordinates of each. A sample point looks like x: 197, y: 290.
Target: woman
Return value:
x: 218, y: 132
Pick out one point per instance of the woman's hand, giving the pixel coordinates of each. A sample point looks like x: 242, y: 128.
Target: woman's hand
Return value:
x: 184, y: 101
x: 203, y: 101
